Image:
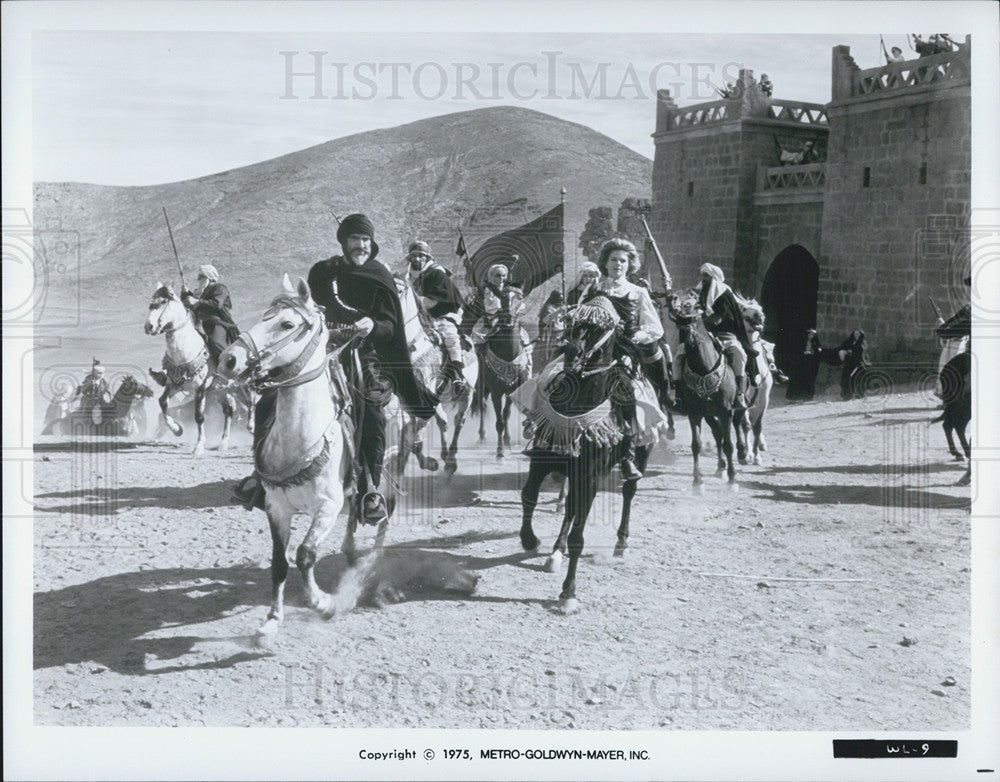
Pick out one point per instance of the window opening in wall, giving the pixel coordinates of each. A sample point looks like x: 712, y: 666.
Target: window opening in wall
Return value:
x: 923, y: 173
x: 690, y: 189
x: 866, y: 177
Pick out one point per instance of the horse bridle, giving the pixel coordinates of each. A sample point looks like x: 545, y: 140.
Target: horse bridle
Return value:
x: 313, y: 324
x: 579, y: 362
x: 159, y: 302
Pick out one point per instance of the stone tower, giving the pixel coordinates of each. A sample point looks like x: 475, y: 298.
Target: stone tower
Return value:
x: 867, y: 218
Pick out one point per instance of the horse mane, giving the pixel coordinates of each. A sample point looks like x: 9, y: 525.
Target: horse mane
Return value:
x: 165, y: 292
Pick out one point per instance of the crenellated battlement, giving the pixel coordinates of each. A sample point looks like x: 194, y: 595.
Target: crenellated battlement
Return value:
x: 935, y: 71
x: 846, y: 190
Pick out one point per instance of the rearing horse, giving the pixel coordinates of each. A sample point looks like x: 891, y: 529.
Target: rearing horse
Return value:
x: 186, y: 362
x: 710, y: 387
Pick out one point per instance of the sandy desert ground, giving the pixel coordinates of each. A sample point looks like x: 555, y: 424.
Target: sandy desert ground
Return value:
x: 831, y: 592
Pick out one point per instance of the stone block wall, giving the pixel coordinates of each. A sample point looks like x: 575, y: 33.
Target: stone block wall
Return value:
x: 896, y: 209
x: 695, y: 195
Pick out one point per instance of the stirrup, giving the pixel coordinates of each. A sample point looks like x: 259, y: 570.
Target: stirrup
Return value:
x: 629, y: 471
x: 373, y: 508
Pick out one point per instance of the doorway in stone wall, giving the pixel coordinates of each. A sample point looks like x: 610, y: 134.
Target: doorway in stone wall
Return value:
x: 788, y: 297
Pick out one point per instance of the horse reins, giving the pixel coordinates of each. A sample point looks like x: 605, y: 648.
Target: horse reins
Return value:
x: 293, y: 369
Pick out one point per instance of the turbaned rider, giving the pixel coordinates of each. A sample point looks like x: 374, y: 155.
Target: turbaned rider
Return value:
x: 724, y: 319
x: 212, y: 309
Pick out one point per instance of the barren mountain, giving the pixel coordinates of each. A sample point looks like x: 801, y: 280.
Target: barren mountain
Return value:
x: 487, y: 170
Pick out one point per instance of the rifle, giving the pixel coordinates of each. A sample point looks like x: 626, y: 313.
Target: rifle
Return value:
x: 667, y: 281
x: 935, y: 306
x: 176, y: 257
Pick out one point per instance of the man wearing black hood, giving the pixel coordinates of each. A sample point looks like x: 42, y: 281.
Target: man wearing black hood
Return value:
x: 355, y: 288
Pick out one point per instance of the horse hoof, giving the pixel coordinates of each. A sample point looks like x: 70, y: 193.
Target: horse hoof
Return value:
x: 570, y: 606
x: 757, y: 460
x: 199, y: 450
x: 620, y: 547
x: 224, y: 445
x: 269, y: 629
x: 499, y: 454
x: 450, y: 467
x: 698, y: 489
x: 178, y: 430
x: 431, y: 464
x: 553, y: 562
x: 720, y: 472
x: 530, y: 544
x: 743, y: 460
x: 733, y: 486
x: 965, y: 480
x: 958, y: 457
x: 671, y: 433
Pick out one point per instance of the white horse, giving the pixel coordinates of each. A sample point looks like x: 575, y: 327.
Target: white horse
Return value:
x: 186, y: 364
x: 758, y: 397
x: 428, y: 360
x: 300, y: 456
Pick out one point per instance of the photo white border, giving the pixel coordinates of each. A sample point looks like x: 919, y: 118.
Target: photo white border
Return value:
x: 250, y: 753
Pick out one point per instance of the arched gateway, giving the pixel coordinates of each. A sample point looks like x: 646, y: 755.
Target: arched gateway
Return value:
x: 788, y: 296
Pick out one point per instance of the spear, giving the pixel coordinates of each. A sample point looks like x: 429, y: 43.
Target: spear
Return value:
x: 667, y: 282
x: 176, y: 257
x: 937, y: 312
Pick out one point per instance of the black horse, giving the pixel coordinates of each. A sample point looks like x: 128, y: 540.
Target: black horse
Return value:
x: 503, y: 367
x: 956, y: 393
x: 709, y: 388
x: 577, y: 434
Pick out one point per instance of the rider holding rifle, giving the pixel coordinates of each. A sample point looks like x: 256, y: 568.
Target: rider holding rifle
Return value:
x: 356, y: 289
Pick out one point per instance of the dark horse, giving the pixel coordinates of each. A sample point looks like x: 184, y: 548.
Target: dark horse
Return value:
x: 578, y: 435
x: 956, y: 392
x: 710, y: 388
x: 503, y: 367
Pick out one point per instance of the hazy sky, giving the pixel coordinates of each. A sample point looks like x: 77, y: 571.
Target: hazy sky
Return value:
x: 134, y: 108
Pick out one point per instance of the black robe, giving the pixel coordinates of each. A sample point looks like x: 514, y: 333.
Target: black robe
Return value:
x: 213, y: 308
x: 370, y: 291
x: 434, y: 283
x: 726, y: 318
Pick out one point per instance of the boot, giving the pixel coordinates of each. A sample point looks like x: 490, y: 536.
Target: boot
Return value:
x: 779, y: 377
x: 158, y: 375
x: 458, y: 384
x: 452, y: 374
x: 740, y: 401
x: 629, y: 471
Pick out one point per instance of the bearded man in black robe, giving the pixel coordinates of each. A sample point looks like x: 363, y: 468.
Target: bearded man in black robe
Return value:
x: 354, y: 288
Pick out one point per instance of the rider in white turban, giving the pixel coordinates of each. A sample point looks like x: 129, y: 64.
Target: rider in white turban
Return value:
x: 212, y: 310
x: 724, y: 318
x: 208, y: 272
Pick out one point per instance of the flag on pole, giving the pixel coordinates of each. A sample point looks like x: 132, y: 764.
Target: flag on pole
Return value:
x: 460, y: 250
x: 533, y: 252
